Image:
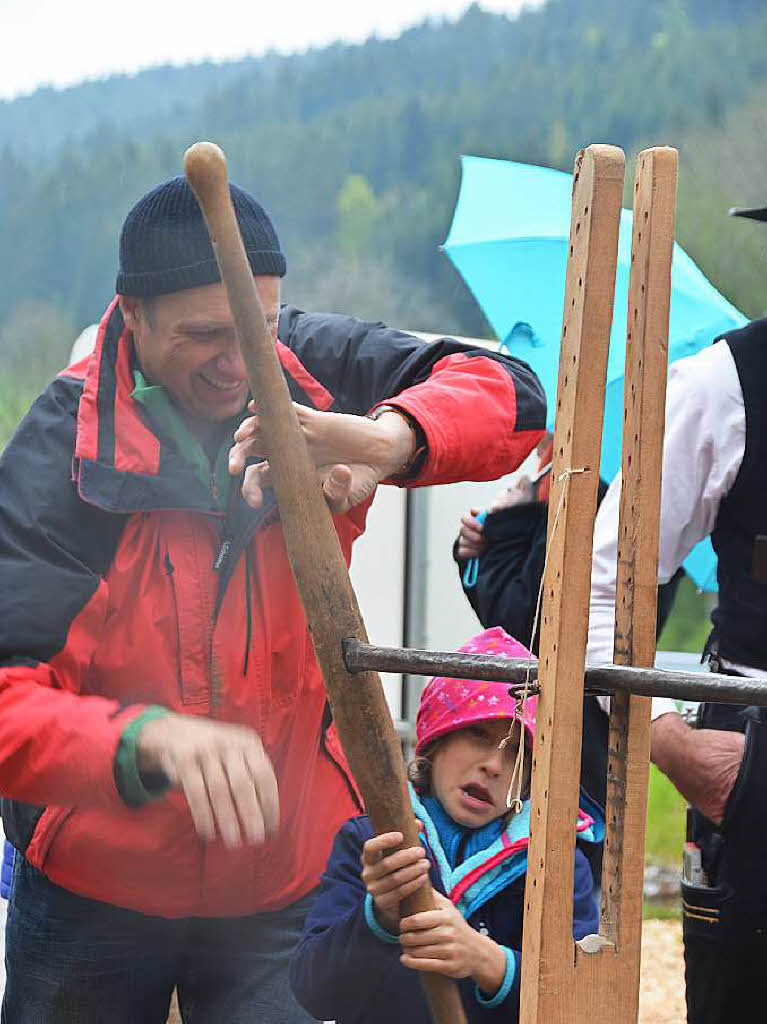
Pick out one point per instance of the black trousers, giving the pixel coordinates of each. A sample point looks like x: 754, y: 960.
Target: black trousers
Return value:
x: 725, y: 926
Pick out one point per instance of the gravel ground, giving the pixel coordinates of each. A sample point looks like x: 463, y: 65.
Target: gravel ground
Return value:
x: 661, y: 994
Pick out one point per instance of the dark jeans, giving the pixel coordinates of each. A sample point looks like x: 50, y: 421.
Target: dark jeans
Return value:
x: 725, y: 926
x: 71, y: 960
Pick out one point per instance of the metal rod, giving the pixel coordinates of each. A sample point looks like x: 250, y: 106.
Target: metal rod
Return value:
x: 602, y: 679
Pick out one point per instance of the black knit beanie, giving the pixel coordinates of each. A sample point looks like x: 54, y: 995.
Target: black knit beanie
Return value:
x: 165, y: 247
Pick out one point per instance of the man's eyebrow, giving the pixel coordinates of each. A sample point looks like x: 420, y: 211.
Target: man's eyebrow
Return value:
x: 204, y: 326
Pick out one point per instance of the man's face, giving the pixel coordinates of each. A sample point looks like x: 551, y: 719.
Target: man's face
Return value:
x: 186, y: 343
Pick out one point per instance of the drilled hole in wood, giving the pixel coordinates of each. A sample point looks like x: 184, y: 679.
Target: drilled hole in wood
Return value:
x: 646, y: 215
x: 577, y: 227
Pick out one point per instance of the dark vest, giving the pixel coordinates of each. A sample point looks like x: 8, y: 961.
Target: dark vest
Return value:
x: 740, y: 624
x: 741, y: 618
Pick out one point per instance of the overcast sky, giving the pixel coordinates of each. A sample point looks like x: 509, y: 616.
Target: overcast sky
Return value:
x: 61, y: 42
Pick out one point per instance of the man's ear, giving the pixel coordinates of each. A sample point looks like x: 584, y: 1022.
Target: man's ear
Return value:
x: 130, y: 308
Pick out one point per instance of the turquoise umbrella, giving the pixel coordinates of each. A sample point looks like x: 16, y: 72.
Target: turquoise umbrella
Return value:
x: 509, y: 240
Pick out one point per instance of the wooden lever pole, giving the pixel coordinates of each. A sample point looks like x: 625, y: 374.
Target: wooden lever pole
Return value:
x: 360, y: 712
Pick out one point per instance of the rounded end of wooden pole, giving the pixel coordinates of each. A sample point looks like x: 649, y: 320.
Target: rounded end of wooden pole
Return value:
x: 206, y: 171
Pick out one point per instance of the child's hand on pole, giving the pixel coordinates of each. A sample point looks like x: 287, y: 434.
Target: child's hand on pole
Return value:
x: 442, y: 941
x: 389, y: 878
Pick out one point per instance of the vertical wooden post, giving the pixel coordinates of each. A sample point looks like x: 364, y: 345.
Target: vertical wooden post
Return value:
x: 597, y: 980
x: 547, y: 948
x: 637, y: 575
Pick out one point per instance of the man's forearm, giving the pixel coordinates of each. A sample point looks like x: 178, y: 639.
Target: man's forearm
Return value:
x: 703, y: 764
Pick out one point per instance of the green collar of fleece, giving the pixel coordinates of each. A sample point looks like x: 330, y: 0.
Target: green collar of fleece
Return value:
x: 167, y: 419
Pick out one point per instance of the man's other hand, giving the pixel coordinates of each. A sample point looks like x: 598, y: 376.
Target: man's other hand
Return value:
x: 353, y: 454
x: 703, y: 764
x: 226, y: 776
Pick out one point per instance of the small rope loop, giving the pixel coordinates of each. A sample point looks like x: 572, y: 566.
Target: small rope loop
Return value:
x: 514, y: 795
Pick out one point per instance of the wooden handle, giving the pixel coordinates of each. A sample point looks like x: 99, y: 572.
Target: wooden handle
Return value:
x: 359, y: 707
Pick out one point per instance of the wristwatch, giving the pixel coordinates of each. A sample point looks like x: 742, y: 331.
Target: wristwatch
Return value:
x: 420, y: 448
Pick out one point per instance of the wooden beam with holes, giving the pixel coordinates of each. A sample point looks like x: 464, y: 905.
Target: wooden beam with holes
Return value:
x: 637, y: 576
x: 547, y: 946
x: 597, y: 979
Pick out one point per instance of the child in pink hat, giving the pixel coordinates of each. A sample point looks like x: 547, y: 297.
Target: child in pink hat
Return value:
x: 357, y: 962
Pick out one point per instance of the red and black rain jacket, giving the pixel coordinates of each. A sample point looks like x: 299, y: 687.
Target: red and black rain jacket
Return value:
x: 124, y: 585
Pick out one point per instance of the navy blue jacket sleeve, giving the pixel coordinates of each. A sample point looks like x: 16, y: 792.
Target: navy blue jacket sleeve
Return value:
x: 339, y: 964
x: 341, y: 971
x: 510, y: 569
x: 585, y: 911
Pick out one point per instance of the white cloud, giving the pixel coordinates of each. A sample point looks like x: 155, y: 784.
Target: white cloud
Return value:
x: 60, y: 42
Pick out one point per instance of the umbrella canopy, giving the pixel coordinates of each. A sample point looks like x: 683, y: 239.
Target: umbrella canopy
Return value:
x: 509, y: 240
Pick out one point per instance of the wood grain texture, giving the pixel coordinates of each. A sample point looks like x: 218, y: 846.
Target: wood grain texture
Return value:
x: 359, y: 707
x: 637, y: 573
x: 548, y: 953
x: 597, y: 980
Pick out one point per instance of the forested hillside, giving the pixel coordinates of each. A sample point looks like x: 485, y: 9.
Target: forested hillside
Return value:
x: 355, y: 150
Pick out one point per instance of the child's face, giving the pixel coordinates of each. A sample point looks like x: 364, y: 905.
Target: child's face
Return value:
x: 470, y: 776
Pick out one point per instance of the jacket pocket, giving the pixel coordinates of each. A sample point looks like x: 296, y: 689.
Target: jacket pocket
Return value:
x: 48, y: 827
x: 193, y: 619
x: 290, y: 665
x: 743, y: 779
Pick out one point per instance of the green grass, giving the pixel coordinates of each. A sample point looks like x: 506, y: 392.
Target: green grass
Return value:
x: 661, y: 910
x: 689, y: 623
x: 665, y: 821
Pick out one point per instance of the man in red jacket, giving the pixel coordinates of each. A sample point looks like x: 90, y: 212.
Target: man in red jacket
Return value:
x: 170, y: 773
